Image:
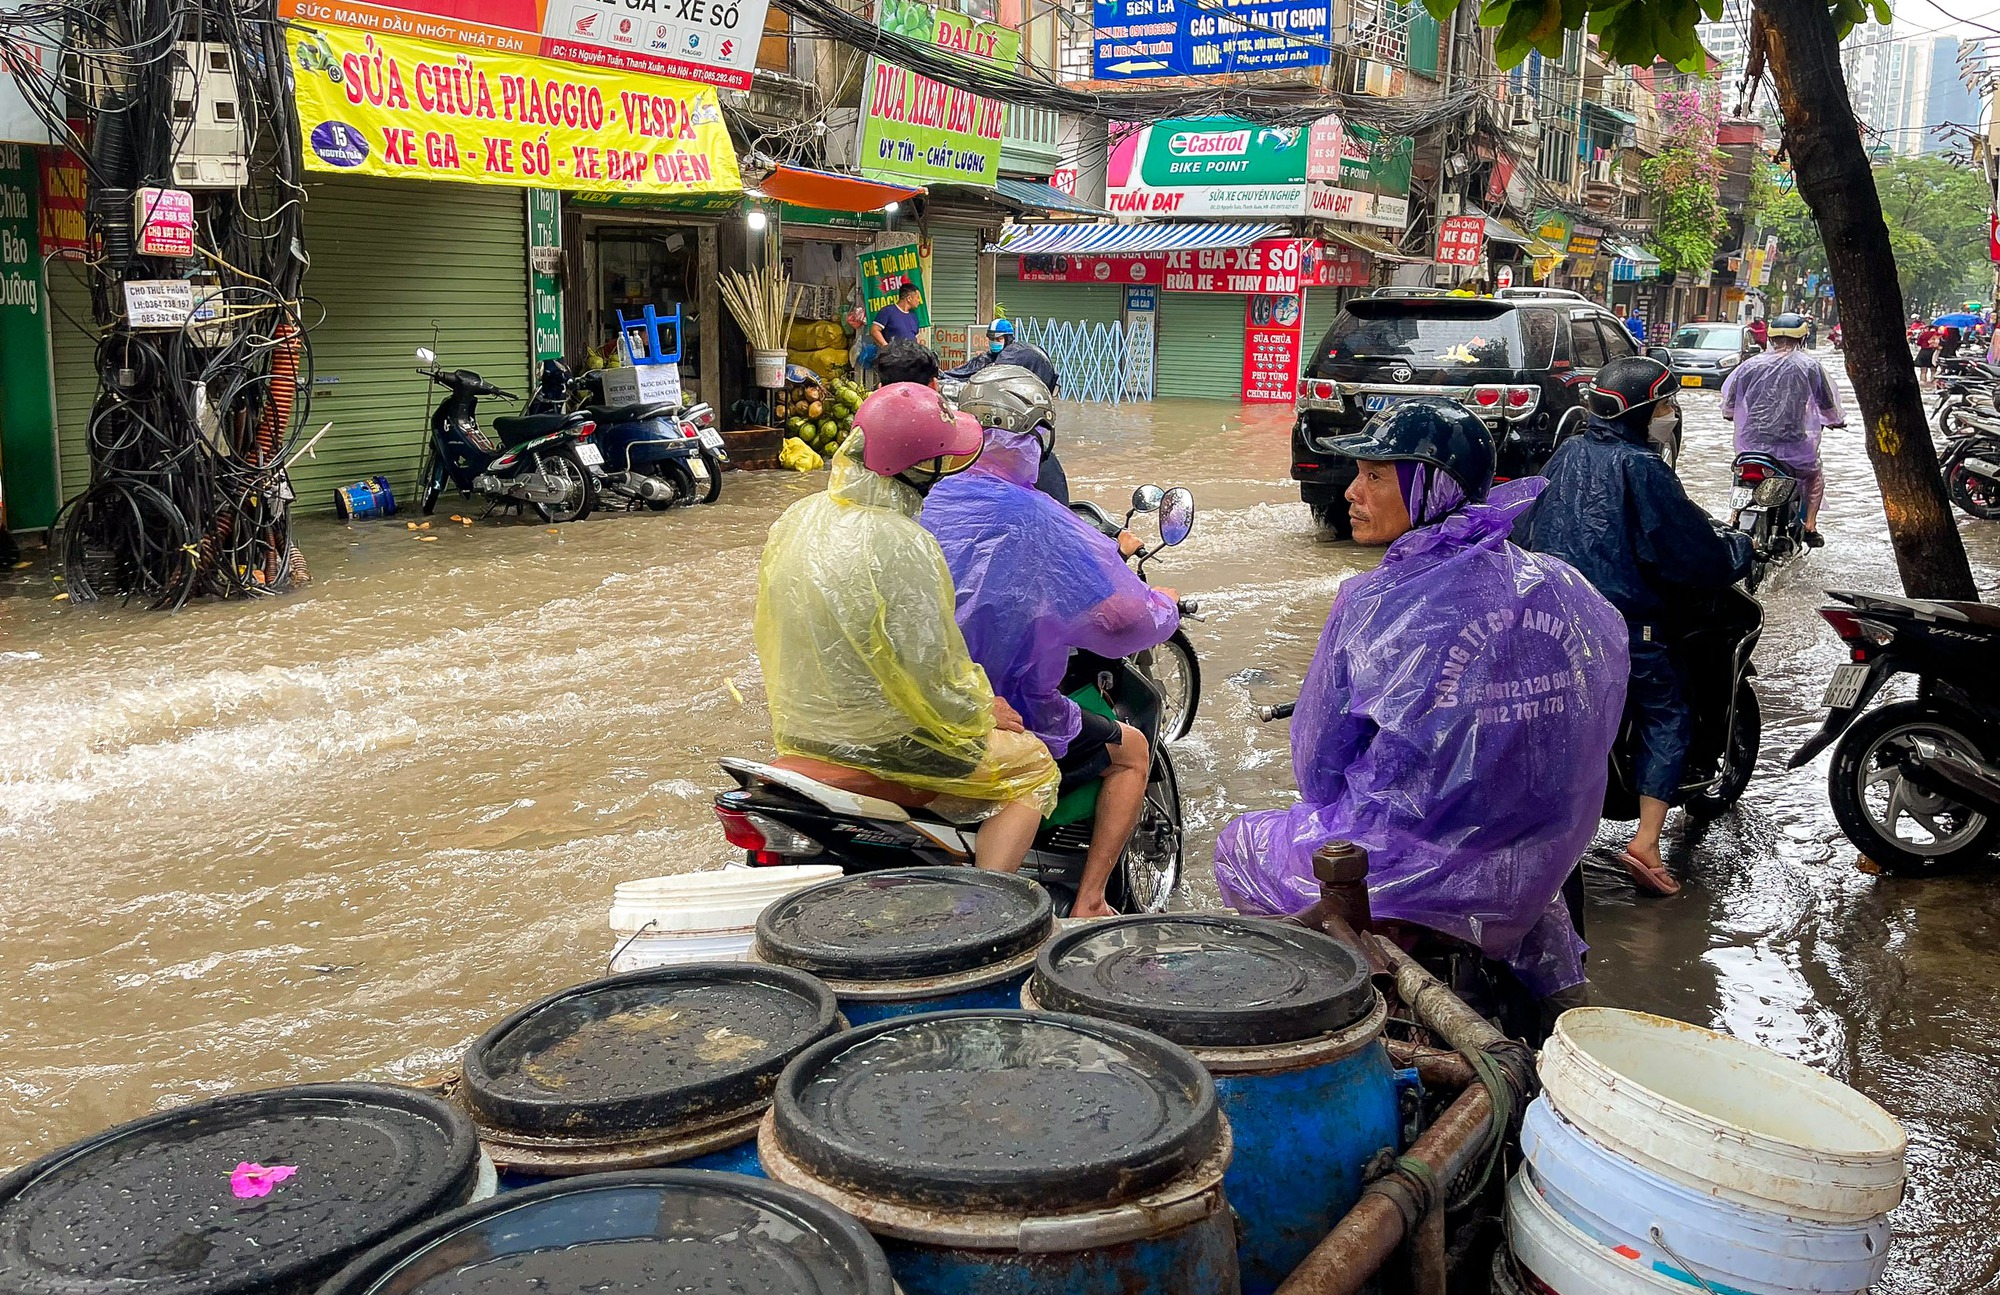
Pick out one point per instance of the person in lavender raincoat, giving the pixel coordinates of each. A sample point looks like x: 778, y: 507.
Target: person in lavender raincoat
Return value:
x: 1036, y: 582
x: 1779, y: 402
x: 1456, y: 721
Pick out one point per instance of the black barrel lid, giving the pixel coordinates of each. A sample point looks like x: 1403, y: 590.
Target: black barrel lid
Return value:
x: 646, y: 1232
x: 997, y: 1110
x: 659, y: 1050
x: 168, y: 1205
x: 1206, y: 981
x: 906, y: 923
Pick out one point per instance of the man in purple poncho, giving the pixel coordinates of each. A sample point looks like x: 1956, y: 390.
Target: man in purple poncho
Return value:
x: 1780, y: 401
x: 1036, y: 582
x: 1457, y: 718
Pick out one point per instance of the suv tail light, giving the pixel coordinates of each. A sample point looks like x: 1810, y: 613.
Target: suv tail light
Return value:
x: 1521, y: 401
x: 1488, y: 397
x: 1320, y: 393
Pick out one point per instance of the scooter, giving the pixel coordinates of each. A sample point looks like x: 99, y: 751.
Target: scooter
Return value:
x: 1766, y: 504
x: 794, y: 810
x: 1172, y: 666
x: 1914, y: 784
x: 545, y: 461
x: 1971, y: 467
x: 655, y: 455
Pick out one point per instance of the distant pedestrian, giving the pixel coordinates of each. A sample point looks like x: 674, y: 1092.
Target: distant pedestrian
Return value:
x: 1637, y: 327
x: 1928, y: 338
x: 1760, y: 333
x: 1949, y: 342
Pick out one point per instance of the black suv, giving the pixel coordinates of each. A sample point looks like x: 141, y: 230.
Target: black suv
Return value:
x: 1519, y: 360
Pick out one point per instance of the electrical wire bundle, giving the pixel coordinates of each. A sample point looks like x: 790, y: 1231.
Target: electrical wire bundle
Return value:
x: 192, y: 427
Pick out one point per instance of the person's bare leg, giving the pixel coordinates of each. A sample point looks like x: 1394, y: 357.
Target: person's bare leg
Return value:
x: 1118, y: 804
x: 1004, y: 839
x: 1642, y: 854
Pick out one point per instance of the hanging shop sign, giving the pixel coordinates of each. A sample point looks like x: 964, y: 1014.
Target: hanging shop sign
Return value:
x: 1461, y: 240
x: 164, y: 222
x: 918, y: 130
x: 1272, y: 325
x: 884, y: 271
x: 416, y: 109
x: 545, y: 298
x: 1223, y: 166
x: 1334, y: 265
x: 1552, y: 227
x: 19, y: 122
x: 1140, y: 39
x: 710, y: 41
x: 65, y: 184
x: 1269, y: 265
x: 1581, y: 244
x: 27, y: 394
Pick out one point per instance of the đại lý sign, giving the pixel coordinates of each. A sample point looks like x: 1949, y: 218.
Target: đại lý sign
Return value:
x: 410, y: 109
x: 919, y: 131
x: 710, y: 41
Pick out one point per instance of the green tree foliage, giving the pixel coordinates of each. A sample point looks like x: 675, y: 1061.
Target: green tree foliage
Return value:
x: 1634, y: 32
x: 1937, y: 217
x: 1686, y: 177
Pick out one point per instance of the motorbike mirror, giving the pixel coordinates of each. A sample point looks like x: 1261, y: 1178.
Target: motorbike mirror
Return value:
x: 1147, y: 498
x: 425, y: 355
x: 1176, y: 515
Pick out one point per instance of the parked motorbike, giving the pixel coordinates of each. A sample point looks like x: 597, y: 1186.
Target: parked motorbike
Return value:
x: 1766, y: 504
x: 1172, y: 666
x: 545, y: 461
x: 655, y: 455
x: 1914, y: 784
x: 793, y: 810
x: 1971, y: 467
x: 1966, y: 405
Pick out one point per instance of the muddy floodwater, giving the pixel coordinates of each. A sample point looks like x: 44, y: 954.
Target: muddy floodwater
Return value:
x: 340, y: 833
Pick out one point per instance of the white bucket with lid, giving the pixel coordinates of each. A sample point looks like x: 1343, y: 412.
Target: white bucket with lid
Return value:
x: 1724, y: 1117
x: 700, y: 916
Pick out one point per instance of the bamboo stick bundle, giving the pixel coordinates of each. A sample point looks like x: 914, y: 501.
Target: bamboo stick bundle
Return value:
x: 763, y: 303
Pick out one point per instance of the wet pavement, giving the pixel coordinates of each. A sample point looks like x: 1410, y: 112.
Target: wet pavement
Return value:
x: 340, y: 833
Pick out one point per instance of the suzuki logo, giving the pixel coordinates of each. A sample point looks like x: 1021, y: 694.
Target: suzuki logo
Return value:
x: 1401, y: 373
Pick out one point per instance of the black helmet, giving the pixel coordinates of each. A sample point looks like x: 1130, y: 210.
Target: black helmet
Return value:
x: 1428, y: 429
x: 1628, y: 384
x: 1788, y: 325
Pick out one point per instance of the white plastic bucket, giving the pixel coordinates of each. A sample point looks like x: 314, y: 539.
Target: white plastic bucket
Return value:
x: 1618, y: 1203
x: 700, y: 916
x: 769, y: 369
x: 1565, y: 1260
x: 1724, y: 1117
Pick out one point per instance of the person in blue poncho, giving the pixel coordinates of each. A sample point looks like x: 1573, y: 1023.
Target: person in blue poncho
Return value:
x: 1457, y: 718
x: 1036, y: 582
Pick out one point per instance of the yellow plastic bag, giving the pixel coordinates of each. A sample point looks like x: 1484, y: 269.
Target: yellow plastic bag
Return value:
x: 863, y: 661
x: 798, y: 456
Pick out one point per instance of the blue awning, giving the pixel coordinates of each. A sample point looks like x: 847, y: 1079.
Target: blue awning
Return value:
x: 1116, y: 240
x: 1036, y: 196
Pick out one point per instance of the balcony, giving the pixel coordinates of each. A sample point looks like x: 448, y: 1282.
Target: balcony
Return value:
x: 1031, y: 142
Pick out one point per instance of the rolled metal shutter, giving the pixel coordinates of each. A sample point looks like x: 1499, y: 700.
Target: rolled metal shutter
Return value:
x: 388, y: 258
x: 1087, y: 303
x: 1201, y: 345
x: 1323, y: 306
x: 954, y: 288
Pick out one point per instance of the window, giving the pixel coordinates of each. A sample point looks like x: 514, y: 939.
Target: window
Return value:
x: 1589, y: 346
x: 1617, y: 342
x: 1538, y: 338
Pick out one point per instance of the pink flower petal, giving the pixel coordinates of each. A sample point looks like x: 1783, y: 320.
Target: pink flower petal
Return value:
x: 250, y: 1179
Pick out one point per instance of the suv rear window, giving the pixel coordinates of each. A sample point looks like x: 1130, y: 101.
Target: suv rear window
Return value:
x: 1427, y: 334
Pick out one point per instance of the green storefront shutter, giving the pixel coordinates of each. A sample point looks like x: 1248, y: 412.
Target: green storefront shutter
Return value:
x: 1422, y: 39
x: 389, y: 259
x: 1065, y: 302
x: 1201, y: 345
x: 954, y: 276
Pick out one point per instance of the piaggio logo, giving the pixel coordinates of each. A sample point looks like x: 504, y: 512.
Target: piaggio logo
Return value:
x: 1233, y: 143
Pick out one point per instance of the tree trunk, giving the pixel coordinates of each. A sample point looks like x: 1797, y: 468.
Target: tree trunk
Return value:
x: 1803, y: 52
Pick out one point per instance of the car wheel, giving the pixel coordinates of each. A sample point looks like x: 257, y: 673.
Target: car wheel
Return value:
x: 1329, y: 510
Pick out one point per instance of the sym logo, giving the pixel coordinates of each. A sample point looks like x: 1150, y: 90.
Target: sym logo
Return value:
x: 1233, y: 143
x: 1401, y: 373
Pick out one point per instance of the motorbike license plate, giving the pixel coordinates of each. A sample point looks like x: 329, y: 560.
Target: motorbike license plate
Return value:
x: 1845, y: 688
x: 1376, y: 404
x: 1690, y: 380
x: 698, y: 468
x: 709, y: 437
x: 592, y: 456
x: 1740, y: 497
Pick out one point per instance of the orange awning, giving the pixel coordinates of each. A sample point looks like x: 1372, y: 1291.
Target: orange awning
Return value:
x: 830, y: 191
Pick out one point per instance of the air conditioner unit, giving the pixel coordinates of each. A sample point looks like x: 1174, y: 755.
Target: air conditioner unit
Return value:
x: 1521, y: 111
x: 1370, y: 77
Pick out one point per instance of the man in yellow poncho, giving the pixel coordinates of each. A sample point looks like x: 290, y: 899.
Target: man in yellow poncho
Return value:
x: 864, y: 664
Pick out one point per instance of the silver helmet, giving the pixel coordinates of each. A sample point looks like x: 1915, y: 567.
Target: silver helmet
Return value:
x: 1009, y: 396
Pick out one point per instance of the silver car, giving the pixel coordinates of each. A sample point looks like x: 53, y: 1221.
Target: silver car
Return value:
x: 1704, y: 353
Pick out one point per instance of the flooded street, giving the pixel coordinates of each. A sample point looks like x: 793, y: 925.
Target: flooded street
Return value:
x: 340, y: 833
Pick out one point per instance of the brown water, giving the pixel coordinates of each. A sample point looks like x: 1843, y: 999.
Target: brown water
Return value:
x: 340, y: 833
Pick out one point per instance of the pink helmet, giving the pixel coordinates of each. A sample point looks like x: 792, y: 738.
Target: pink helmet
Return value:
x: 905, y: 425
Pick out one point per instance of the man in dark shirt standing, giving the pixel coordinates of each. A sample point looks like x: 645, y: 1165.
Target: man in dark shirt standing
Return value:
x: 898, y: 322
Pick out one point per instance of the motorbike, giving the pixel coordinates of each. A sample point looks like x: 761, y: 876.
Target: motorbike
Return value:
x: 1766, y: 504
x: 1971, y: 467
x: 655, y: 455
x: 1913, y: 784
x: 1172, y: 666
x: 795, y: 810
x: 545, y: 461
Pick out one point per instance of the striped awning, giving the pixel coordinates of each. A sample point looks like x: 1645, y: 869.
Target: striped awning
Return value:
x: 1117, y: 240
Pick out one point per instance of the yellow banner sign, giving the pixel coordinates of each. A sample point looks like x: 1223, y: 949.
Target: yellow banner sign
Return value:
x: 386, y: 105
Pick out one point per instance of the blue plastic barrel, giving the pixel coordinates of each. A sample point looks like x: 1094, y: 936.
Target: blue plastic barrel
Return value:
x: 666, y: 1066
x: 1014, y: 1153
x: 913, y: 939
x: 1289, y: 1025
x: 654, y: 1230
x: 261, y: 1193
x: 365, y: 499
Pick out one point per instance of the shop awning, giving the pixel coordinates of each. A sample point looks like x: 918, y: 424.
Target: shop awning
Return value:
x: 1625, y: 251
x: 1036, y: 196
x: 1116, y: 240
x: 1379, y: 248
x: 1542, y: 250
x: 830, y: 190
x: 1498, y: 230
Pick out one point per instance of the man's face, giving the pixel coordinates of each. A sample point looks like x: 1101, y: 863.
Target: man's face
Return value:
x: 996, y: 342
x: 1375, y: 504
x: 908, y: 299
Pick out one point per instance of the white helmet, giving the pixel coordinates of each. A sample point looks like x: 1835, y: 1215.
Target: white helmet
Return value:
x: 1010, y: 397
